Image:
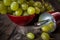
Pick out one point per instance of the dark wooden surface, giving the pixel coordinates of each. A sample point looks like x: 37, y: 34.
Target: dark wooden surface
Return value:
x: 8, y: 31
x: 6, y: 27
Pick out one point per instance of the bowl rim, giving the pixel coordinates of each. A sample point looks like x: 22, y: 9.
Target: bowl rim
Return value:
x: 21, y: 16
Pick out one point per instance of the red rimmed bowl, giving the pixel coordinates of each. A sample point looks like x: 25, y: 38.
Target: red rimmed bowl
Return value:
x: 21, y: 20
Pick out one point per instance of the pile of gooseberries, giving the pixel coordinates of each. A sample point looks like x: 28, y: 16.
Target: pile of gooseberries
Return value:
x: 23, y: 7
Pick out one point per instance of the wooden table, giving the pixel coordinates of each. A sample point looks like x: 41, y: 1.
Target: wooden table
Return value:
x: 8, y: 29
